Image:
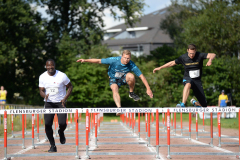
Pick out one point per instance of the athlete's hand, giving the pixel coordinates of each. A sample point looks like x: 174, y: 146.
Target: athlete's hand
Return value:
x: 46, y: 97
x: 81, y: 60
x: 149, y: 92
x: 156, y: 69
x: 209, y: 63
x: 63, y: 103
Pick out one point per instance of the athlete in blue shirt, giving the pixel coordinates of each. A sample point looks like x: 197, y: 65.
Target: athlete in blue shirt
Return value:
x: 119, y: 74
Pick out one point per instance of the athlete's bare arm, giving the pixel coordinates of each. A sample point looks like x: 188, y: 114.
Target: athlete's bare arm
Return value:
x: 149, y: 91
x: 90, y: 60
x: 42, y: 93
x: 210, y: 56
x: 169, y: 64
x: 69, y: 91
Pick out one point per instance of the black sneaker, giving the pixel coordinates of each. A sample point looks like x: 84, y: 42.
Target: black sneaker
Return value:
x: 52, y: 149
x: 62, y: 137
x: 134, y: 96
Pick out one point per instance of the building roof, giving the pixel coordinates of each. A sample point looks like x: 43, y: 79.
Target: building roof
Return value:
x: 153, y: 35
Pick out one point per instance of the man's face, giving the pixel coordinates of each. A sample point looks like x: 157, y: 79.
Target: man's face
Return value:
x: 125, y: 59
x: 222, y: 93
x: 50, y: 66
x: 191, y: 53
x: 2, y: 88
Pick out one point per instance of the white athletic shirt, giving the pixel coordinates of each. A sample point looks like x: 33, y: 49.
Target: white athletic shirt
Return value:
x: 54, y: 85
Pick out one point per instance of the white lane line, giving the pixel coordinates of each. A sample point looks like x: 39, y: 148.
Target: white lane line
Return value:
x: 27, y: 149
x: 152, y: 149
x: 214, y: 147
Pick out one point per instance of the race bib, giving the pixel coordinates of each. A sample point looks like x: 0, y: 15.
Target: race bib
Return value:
x: 119, y: 74
x: 51, y: 91
x: 194, y: 74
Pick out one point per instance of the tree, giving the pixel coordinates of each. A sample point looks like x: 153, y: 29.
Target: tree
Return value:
x: 211, y: 25
x: 22, y: 40
x: 83, y: 21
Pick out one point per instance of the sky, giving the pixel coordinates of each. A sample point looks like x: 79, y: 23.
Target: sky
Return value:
x: 153, y: 5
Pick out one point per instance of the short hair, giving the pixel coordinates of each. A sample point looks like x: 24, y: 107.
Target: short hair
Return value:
x: 51, y: 61
x: 127, y: 52
x: 192, y: 47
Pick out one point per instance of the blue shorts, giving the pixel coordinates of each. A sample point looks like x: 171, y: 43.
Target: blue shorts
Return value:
x: 121, y: 81
x: 223, y: 106
x: 2, y: 100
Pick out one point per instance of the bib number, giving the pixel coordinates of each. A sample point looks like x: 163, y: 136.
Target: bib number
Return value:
x: 194, y: 74
x: 119, y: 74
x: 51, y: 91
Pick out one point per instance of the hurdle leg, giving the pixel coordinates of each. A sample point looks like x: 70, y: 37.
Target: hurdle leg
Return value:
x: 190, y: 120
x: 12, y: 128
x: 95, y: 118
x: 139, y: 126
x: 87, y: 133
x: 239, y: 133
x: 149, y: 129
x: 219, y: 129
x: 211, y: 119
x: 157, y: 135
x: 181, y: 124
x: 38, y: 128
x: 197, y: 126
x: 5, y: 134
x: 168, y: 134
x: 175, y: 125
x: 77, y: 141
x: 33, y: 147
x: 146, y: 124
x: 23, y: 133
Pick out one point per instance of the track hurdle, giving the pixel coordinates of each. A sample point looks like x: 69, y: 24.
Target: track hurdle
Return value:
x: 168, y: 133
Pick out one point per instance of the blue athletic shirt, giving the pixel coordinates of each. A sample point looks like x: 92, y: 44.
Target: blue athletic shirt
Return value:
x: 116, y: 69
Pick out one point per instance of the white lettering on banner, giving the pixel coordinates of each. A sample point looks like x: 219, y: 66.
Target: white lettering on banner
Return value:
x: 87, y: 122
x: 123, y: 110
x: 32, y: 119
x: 168, y: 121
x: 5, y: 124
x: 219, y: 119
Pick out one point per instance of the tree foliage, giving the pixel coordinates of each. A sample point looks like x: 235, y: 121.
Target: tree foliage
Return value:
x: 212, y: 25
x: 22, y: 40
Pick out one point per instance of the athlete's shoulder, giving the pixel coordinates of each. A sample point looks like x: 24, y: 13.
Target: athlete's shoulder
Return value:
x: 59, y: 73
x: 43, y: 74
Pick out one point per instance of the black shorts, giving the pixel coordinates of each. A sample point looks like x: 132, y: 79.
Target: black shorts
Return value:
x: 121, y: 81
x: 196, y: 86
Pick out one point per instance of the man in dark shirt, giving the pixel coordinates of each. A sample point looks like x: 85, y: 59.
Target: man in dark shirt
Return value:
x: 193, y: 63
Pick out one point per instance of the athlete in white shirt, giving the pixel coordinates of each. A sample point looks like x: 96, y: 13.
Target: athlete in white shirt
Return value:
x: 52, y: 87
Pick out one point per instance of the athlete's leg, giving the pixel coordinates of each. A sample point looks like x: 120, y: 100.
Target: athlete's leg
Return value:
x: 116, y: 96
x: 48, y: 127
x: 62, y: 117
x: 199, y: 93
x: 186, y: 91
x: 130, y: 79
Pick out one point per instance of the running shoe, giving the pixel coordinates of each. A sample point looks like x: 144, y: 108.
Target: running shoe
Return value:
x: 134, y: 96
x: 195, y: 103
x: 52, y: 149
x: 62, y: 137
x: 180, y: 105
